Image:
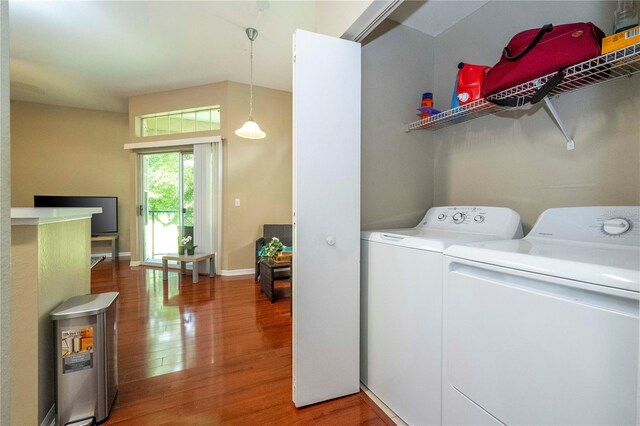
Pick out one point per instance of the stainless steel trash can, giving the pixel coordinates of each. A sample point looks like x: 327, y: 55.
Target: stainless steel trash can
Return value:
x: 86, y: 339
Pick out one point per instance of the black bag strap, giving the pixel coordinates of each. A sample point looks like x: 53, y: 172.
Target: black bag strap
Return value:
x: 547, y: 87
x: 507, y: 53
x: 510, y: 102
x: 536, y: 97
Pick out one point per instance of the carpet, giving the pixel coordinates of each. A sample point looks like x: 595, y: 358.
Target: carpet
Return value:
x: 96, y: 259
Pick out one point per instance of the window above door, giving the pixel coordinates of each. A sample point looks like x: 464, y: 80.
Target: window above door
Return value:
x: 181, y: 121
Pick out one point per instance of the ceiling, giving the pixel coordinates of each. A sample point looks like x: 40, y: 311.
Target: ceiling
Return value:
x: 432, y: 17
x: 95, y: 54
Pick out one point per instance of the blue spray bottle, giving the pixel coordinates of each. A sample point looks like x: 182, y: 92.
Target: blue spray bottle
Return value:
x: 454, y: 98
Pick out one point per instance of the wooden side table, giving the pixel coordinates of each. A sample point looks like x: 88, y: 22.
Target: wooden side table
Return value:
x: 114, y: 243
x: 195, y: 259
x: 267, y: 268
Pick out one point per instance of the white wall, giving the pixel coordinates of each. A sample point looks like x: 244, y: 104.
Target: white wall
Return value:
x: 397, y: 167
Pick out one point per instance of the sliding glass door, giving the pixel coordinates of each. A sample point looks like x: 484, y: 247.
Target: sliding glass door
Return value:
x: 167, y: 202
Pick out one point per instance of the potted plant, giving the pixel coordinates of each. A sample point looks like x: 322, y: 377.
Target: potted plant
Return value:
x: 273, y: 250
x: 186, y: 246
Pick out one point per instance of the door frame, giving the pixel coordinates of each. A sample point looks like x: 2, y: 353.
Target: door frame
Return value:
x: 136, y: 222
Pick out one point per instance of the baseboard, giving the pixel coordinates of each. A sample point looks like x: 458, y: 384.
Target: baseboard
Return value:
x: 108, y: 255
x: 384, y: 407
x: 235, y: 272
x: 50, y: 418
x: 223, y: 272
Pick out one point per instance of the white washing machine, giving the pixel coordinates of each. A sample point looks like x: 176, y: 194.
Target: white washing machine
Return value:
x: 401, y: 304
x: 544, y: 330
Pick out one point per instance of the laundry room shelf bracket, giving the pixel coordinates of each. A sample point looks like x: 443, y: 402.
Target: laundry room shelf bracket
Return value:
x: 570, y: 142
x: 610, y: 66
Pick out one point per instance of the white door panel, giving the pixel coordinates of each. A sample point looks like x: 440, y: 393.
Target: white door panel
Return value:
x: 326, y: 207
x: 531, y: 349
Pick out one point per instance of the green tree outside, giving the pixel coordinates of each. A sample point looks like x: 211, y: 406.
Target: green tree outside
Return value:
x: 162, y: 184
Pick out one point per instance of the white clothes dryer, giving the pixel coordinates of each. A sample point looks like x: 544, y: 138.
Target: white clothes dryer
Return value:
x: 544, y: 330
x: 401, y: 304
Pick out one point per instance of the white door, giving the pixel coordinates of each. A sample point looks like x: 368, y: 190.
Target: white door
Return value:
x: 326, y: 222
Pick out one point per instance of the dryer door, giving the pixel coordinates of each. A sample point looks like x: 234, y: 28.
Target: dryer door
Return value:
x: 533, y: 349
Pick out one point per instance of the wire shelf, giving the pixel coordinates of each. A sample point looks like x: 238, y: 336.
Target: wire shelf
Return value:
x: 610, y: 66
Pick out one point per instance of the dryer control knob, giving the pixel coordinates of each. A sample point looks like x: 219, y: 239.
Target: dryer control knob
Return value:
x: 479, y: 219
x: 442, y: 216
x: 616, y: 226
x: 459, y: 217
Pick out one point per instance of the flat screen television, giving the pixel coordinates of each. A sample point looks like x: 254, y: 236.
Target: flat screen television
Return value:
x: 103, y: 223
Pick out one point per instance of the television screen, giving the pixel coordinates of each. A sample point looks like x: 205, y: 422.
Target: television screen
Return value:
x: 103, y: 223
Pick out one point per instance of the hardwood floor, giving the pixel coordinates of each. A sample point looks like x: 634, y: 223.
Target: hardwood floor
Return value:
x: 217, y: 352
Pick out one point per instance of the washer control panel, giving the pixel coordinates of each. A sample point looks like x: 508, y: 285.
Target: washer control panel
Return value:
x: 455, y: 215
x: 612, y: 225
x: 485, y: 220
x: 616, y: 226
x: 459, y: 217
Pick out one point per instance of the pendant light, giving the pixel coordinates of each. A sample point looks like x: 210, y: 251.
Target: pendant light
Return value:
x: 250, y: 129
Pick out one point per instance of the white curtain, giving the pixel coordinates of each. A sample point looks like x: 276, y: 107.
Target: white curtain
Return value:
x: 204, y: 234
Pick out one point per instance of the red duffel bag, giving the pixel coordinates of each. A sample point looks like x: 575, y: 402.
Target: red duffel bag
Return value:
x: 538, y: 52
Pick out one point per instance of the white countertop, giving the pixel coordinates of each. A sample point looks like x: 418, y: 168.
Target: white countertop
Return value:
x: 43, y: 215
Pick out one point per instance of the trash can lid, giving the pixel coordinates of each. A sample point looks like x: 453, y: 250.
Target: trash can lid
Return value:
x: 85, y: 305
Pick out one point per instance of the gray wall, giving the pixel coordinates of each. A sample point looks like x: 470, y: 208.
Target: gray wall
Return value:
x: 480, y: 37
x: 516, y: 159
x: 523, y: 163
x: 397, y: 167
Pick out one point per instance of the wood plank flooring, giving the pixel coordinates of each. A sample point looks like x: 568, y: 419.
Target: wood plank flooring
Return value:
x: 217, y: 352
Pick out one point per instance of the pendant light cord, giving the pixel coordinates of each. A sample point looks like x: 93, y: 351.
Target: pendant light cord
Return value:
x: 250, y: 129
x: 251, y: 87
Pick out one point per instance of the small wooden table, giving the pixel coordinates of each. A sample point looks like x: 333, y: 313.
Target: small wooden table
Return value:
x: 195, y: 259
x: 267, y: 267
x: 114, y: 243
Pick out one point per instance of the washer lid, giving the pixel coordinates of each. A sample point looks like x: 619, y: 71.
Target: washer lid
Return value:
x: 609, y: 265
x: 423, y: 239
x: 444, y: 226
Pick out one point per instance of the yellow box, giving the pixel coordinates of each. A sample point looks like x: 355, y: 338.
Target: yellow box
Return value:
x: 621, y: 40
x: 283, y: 257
